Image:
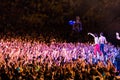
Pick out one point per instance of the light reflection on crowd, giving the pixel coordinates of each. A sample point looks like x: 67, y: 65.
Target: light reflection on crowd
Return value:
x: 22, y: 59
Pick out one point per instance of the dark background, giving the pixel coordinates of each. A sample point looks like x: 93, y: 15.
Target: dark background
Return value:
x: 50, y: 17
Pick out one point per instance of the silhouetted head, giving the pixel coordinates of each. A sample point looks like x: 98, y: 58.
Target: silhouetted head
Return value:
x: 101, y: 34
x: 96, y: 35
x: 77, y: 18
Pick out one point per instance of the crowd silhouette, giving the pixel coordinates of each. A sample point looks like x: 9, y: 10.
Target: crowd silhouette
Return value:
x: 25, y: 58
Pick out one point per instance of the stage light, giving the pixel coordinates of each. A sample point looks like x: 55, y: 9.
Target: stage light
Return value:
x: 71, y: 22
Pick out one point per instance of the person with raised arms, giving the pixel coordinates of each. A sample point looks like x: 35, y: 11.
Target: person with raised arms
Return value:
x: 96, y: 44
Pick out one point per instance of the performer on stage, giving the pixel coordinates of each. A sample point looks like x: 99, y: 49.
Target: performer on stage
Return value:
x: 102, y: 41
x: 77, y: 29
x: 96, y: 44
x: 117, y: 36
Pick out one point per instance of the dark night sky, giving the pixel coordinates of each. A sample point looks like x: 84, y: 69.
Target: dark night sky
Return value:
x: 96, y: 16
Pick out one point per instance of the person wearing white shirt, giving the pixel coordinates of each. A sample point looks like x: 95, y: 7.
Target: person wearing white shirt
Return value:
x: 102, y: 41
x: 96, y: 44
x: 117, y: 36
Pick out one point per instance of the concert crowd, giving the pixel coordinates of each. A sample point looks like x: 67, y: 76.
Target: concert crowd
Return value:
x: 30, y: 59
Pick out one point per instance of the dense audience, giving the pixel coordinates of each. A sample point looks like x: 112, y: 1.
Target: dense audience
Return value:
x: 29, y: 59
